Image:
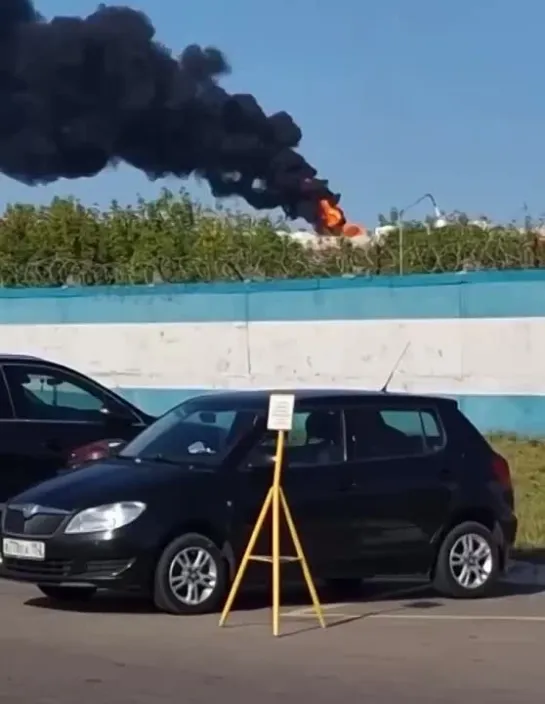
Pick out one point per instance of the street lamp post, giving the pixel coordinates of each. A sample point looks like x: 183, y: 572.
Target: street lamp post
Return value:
x: 439, y: 222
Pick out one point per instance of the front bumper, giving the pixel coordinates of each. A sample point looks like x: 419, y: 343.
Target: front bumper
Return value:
x: 84, y: 560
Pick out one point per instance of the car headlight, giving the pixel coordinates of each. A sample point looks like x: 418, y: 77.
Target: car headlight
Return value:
x: 105, y: 518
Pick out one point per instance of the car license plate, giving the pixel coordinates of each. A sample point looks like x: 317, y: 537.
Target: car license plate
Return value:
x: 23, y: 549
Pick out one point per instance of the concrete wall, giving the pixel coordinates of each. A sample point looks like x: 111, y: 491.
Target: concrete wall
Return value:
x: 479, y: 337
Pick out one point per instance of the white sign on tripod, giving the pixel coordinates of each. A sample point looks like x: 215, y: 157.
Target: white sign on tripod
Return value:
x: 280, y: 412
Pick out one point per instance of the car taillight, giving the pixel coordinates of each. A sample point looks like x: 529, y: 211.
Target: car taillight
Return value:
x: 501, y: 470
x: 89, y: 453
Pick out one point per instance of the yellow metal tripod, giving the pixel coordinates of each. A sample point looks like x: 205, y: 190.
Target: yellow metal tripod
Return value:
x: 275, y: 501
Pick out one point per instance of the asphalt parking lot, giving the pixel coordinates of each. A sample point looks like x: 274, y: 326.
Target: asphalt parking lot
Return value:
x: 397, y: 641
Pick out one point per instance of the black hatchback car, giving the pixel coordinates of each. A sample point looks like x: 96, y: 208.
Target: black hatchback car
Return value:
x: 46, y: 411
x: 379, y: 484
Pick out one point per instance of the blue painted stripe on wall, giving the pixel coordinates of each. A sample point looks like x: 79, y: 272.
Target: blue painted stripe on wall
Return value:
x: 520, y: 415
x: 516, y: 415
x: 475, y: 295
x: 158, y: 401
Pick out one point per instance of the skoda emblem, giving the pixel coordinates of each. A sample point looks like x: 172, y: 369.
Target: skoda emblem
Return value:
x: 30, y: 510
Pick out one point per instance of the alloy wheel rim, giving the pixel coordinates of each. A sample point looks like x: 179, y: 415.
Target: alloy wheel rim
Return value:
x: 471, y: 561
x: 192, y: 576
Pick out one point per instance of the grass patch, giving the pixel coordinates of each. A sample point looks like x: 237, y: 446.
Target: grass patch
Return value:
x: 526, y: 458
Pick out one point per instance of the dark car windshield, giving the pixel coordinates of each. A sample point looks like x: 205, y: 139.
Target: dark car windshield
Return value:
x: 195, y: 429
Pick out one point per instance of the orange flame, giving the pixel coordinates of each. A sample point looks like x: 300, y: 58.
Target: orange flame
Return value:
x: 332, y: 221
x: 353, y: 230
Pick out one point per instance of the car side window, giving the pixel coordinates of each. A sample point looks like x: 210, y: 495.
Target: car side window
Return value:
x: 316, y: 439
x: 380, y: 433
x: 42, y: 393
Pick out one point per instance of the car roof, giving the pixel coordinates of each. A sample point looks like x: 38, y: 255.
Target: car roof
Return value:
x: 29, y: 358
x: 7, y: 357
x: 259, y: 398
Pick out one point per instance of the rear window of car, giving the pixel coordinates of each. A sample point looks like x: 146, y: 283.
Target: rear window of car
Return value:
x: 382, y: 432
x: 413, y: 422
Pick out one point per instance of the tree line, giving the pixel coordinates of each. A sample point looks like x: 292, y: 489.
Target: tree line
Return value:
x: 173, y: 239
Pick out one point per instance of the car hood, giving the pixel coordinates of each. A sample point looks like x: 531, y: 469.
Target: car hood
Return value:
x: 104, y: 482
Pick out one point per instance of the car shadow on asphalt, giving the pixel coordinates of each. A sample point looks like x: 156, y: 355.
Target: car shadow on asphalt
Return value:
x: 407, y: 595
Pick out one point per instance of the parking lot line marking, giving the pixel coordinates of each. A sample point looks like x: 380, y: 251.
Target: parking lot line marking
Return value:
x: 416, y: 617
x: 455, y: 617
x: 327, y: 615
x: 309, y: 610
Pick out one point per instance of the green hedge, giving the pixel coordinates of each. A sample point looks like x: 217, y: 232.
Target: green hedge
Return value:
x: 173, y: 239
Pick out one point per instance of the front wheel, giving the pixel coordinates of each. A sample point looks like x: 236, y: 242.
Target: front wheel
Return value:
x: 67, y: 594
x: 191, y: 576
x: 468, y: 562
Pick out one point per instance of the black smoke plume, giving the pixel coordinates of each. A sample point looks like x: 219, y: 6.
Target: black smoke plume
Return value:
x: 80, y: 94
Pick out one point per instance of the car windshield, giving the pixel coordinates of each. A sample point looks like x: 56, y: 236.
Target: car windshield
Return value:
x: 195, y: 429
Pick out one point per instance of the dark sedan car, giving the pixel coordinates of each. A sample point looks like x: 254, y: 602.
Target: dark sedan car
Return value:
x: 378, y: 483
x: 46, y: 411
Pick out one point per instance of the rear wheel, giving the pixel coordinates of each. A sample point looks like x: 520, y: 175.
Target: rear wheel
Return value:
x: 468, y: 562
x: 191, y: 576
x: 67, y: 594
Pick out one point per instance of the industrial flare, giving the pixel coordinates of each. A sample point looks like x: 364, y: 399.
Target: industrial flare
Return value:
x: 332, y: 221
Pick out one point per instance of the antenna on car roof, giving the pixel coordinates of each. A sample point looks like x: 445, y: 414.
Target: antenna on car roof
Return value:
x: 384, y: 389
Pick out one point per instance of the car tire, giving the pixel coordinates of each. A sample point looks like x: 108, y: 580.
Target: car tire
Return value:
x: 468, y: 562
x: 67, y: 594
x: 191, y: 576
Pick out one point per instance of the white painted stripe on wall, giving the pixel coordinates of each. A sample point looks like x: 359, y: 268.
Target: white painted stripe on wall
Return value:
x: 454, y: 356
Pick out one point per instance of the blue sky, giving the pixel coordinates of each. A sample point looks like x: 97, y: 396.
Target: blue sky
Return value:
x: 395, y: 97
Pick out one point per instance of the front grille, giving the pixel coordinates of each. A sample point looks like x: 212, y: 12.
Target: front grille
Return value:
x: 14, y: 521
x: 38, y: 525
x: 43, y: 569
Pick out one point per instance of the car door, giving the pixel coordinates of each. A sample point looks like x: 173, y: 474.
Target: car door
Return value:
x: 402, y: 485
x: 316, y: 485
x: 6, y: 435
x: 55, y: 411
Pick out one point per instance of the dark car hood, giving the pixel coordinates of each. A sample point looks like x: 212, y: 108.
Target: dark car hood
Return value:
x: 103, y: 482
